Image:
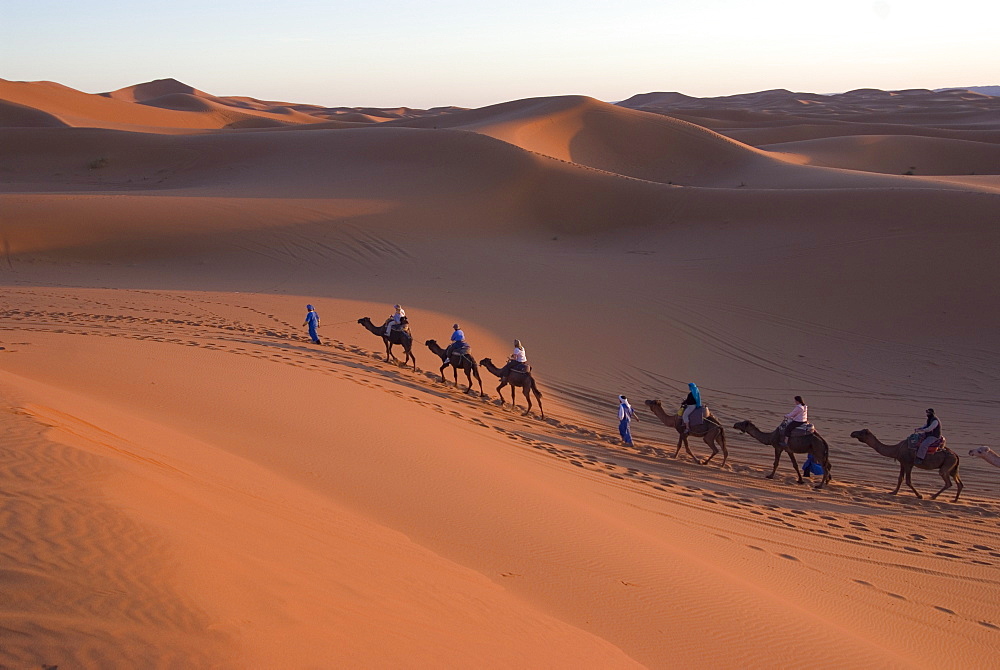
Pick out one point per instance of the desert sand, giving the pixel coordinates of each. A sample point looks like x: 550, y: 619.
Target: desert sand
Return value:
x: 190, y: 482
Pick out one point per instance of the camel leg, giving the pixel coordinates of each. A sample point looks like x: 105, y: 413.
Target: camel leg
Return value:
x: 946, y: 476
x: 777, y: 457
x: 710, y: 441
x: 899, y: 482
x: 958, y: 482
x: 479, y: 379
x: 909, y: 472
x: 687, y: 448
x: 680, y: 441
x: 503, y: 382
x: 538, y: 399
x: 527, y: 398
x: 795, y: 466
x: 725, y: 450
x: 825, y: 463
x: 443, y: 366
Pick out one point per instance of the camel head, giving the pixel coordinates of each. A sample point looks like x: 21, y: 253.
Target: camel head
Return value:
x: 862, y: 435
x: 654, y: 403
x: 431, y: 343
x: 363, y: 319
x: 486, y: 361
x: 743, y: 426
x: 980, y: 451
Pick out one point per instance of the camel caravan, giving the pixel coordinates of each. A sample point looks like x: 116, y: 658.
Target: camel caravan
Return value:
x: 924, y: 449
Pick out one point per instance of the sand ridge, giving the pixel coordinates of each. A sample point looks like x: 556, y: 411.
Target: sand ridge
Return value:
x: 291, y: 505
x: 841, y: 523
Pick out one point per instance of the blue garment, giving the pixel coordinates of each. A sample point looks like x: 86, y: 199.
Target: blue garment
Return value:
x: 695, y: 393
x: 811, y: 467
x: 312, y: 320
x: 457, y: 336
x: 623, y: 428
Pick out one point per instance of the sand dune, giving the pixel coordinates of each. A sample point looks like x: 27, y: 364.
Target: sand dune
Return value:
x: 897, y: 154
x: 192, y: 483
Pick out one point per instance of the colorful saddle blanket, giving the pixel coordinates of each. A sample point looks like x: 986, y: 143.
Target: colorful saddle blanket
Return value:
x: 913, y: 442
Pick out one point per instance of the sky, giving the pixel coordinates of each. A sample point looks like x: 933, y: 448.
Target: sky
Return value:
x: 467, y: 53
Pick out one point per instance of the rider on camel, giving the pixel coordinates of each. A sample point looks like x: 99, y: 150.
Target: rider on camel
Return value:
x: 458, y: 343
x: 518, y: 360
x: 395, y: 320
x: 691, y: 402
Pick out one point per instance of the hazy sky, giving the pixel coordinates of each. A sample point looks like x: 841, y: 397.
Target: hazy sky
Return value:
x: 468, y: 53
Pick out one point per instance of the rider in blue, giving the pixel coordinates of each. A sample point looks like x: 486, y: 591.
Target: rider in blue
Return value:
x: 312, y: 320
x: 691, y: 402
x: 458, y: 343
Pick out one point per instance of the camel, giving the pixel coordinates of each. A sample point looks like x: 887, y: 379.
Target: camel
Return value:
x: 464, y: 361
x: 712, y: 432
x: 800, y: 444
x: 516, y: 379
x: 945, y: 461
x: 401, y: 337
x: 987, y: 454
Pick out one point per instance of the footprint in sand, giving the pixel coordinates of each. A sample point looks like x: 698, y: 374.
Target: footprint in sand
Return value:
x: 943, y: 609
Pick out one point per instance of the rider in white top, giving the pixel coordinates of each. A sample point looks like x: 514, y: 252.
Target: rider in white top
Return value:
x: 517, y: 360
x: 797, y: 417
x: 800, y: 413
x: 394, y: 319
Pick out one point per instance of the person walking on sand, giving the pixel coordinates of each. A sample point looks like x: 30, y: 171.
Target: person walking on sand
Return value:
x: 625, y: 416
x: 312, y: 320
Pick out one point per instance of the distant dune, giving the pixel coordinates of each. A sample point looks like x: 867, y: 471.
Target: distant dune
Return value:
x: 191, y: 481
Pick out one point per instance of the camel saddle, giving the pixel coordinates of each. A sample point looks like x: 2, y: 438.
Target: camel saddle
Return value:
x: 696, y: 422
x: 460, y: 352
x: 913, y: 442
x: 518, y: 369
x: 798, y: 431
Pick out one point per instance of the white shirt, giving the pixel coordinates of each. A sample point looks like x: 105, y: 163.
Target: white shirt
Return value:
x: 519, y: 356
x: 625, y: 410
x: 800, y: 413
x: 930, y: 428
x: 396, y: 316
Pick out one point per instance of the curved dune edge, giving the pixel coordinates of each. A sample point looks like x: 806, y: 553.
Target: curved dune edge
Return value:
x: 252, y: 569
x: 187, y: 473
x: 238, y: 447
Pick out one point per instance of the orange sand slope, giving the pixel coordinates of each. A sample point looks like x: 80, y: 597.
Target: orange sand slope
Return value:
x: 192, y: 483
